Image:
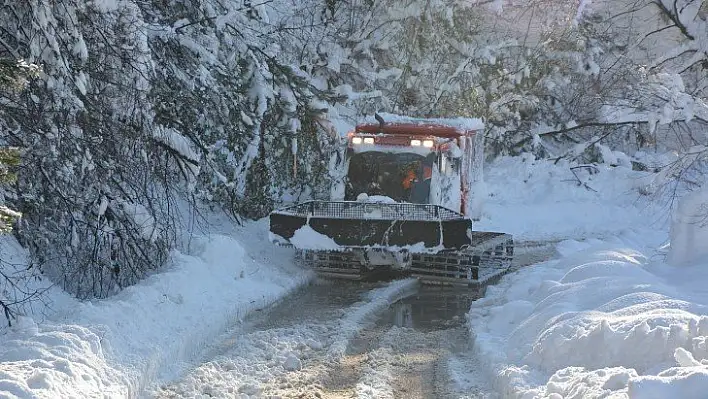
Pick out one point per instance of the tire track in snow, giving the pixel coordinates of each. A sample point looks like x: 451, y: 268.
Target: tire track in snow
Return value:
x: 425, y: 350
x: 410, y: 363
x: 376, y: 379
x: 285, y: 360
x: 378, y: 300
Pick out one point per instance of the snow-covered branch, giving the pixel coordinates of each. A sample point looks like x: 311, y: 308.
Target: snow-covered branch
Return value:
x: 690, y: 20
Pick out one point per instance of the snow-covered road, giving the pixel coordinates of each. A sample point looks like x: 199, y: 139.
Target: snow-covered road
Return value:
x: 291, y: 349
x: 416, y: 340
x: 340, y: 339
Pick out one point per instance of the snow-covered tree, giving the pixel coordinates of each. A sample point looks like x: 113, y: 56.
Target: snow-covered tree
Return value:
x: 14, y: 77
x: 138, y: 102
x: 11, y: 80
x: 88, y: 186
x: 574, y: 84
x: 226, y: 84
x: 9, y: 158
x: 652, y: 74
x: 238, y: 103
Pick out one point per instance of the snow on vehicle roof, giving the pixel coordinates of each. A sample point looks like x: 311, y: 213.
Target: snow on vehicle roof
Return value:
x: 458, y: 123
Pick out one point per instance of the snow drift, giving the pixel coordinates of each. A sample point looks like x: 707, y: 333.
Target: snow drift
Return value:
x: 603, y: 320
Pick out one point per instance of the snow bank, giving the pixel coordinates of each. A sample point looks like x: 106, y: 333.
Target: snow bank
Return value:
x: 537, y: 200
x: 149, y: 332
x: 601, y: 321
x: 59, y: 361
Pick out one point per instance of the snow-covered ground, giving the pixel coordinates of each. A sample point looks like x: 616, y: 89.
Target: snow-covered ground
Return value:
x: 608, y: 319
x: 289, y: 360
x: 153, y: 331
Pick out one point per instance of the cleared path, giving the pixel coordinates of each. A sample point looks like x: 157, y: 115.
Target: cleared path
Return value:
x: 339, y: 339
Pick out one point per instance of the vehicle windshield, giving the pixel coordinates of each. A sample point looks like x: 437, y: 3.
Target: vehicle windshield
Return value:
x: 403, y: 177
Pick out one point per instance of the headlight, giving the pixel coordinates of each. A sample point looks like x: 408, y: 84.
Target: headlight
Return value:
x: 415, y: 142
x: 369, y: 140
x: 356, y: 140
x: 428, y: 143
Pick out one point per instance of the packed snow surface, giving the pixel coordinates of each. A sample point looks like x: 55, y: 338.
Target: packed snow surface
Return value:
x: 287, y: 361
x: 607, y: 319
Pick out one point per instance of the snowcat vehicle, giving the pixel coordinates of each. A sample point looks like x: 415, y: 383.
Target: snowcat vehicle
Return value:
x: 403, y: 204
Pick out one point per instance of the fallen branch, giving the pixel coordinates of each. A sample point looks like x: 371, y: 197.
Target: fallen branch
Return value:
x: 591, y: 168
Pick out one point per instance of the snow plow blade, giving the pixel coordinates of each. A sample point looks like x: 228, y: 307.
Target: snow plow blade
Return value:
x: 351, y: 239
x: 356, y: 224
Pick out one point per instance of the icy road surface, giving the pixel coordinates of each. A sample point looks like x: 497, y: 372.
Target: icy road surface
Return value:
x: 340, y: 339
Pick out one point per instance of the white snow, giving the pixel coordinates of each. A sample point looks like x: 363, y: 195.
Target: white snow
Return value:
x: 56, y: 361
x: 607, y: 319
x: 376, y: 380
x: 610, y: 317
x: 377, y: 199
x: 458, y: 123
x: 176, y: 141
x: 689, y: 230
x: 288, y: 361
x: 478, y: 190
x: 6, y: 212
x: 582, y: 9
x: 150, y: 332
x: 140, y: 216
x: 307, y: 238
x: 537, y: 200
